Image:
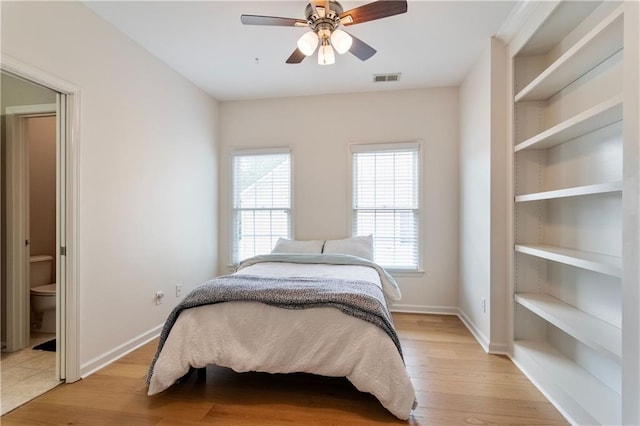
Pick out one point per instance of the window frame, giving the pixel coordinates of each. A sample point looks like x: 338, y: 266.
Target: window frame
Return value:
x: 415, y: 145
x: 233, y: 248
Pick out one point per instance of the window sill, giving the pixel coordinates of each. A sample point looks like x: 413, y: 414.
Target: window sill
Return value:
x: 405, y: 272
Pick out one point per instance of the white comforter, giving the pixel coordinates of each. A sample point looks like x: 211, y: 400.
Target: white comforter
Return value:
x: 321, y: 341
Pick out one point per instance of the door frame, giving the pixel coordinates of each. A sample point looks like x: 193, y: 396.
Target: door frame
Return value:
x: 17, y: 305
x: 68, y: 260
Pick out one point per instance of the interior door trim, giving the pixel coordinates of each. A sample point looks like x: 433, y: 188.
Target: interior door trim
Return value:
x: 71, y: 182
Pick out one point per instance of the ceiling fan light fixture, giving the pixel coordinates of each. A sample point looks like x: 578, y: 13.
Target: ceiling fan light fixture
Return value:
x: 308, y: 43
x: 341, y: 41
x: 323, y: 17
x: 326, y: 55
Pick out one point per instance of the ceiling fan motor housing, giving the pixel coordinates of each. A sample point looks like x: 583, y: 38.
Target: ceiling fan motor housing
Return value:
x: 322, y: 21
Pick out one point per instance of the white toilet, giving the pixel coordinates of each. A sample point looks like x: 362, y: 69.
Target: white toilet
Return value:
x: 43, y: 293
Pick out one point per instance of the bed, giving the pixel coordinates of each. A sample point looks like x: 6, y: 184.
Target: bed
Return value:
x: 322, y: 313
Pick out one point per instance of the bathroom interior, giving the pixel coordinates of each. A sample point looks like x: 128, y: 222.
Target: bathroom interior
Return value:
x: 30, y: 371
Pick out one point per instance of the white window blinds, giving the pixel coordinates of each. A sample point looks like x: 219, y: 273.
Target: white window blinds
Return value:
x: 386, y: 201
x: 261, y: 201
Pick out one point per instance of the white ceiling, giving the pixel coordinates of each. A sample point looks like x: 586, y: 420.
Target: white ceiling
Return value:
x: 433, y: 44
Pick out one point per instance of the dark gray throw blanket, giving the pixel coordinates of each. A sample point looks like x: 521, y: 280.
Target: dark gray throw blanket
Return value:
x: 360, y: 299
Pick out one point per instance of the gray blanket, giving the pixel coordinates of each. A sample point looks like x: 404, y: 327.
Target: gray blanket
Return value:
x: 360, y: 299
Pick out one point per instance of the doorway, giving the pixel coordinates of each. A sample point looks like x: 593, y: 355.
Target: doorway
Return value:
x: 34, y: 186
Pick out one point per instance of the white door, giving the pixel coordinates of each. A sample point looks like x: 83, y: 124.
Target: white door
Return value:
x: 17, y: 229
x: 61, y: 255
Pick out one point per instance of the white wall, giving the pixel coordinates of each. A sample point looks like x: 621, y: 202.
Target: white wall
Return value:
x: 475, y: 196
x: 499, y: 305
x: 319, y: 130
x: 148, y: 171
x: 40, y: 135
x: 20, y: 92
x: 483, y: 198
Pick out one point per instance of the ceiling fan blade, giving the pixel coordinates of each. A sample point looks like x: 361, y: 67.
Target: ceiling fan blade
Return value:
x: 296, y: 57
x: 361, y: 49
x: 272, y: 20
x: 371, y: 11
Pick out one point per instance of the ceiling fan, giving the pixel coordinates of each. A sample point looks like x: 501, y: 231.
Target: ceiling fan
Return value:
x: 324, y: 17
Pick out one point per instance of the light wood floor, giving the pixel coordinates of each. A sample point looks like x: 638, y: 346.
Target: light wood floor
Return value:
x: 455, y: 381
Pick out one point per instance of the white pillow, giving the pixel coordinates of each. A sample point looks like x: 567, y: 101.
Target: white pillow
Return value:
x: 355, y: 246
x: 294, y: 246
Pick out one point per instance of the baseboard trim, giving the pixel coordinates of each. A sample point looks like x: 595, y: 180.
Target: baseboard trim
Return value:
x: 500, y: 349
x: 475, y: 331
x: 90, y: 367
x: 422, y: 309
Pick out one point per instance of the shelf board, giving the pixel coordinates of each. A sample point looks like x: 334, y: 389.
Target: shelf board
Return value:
x: 610, y: 265
x: 599, y: 188
x: 597, y: 45
x: 593, y: 332
x: 580, y: 396
x: 594, y: 118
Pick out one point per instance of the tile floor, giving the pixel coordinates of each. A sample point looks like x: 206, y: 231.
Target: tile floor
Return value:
x: 26, y: 374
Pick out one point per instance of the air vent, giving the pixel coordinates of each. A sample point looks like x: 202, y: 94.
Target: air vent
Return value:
x: 381, y: 78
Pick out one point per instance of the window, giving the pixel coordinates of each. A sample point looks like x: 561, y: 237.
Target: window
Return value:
x: 386, y: 201
x: 261, y: 201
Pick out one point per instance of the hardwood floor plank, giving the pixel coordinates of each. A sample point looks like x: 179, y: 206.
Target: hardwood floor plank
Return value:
x: 500, y: 391
x: 41, y: 413
x: 485, y: 405
x: 455, y: 382
x: 454, y: 417
x: 122, y: 369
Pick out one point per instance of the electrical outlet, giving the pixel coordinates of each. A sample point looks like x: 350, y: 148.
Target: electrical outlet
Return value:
x: 159, y: 297
x: 178, y: 290
x: 484, y: 305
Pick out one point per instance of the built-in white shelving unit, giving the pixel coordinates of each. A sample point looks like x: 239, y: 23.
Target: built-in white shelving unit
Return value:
x: 600, y: 43
x: 590, y: 330
x: 568, y: 119
x: 598, y: 188
x: 602, y: 263
x: 578, y: 394
x: 596, y: 117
